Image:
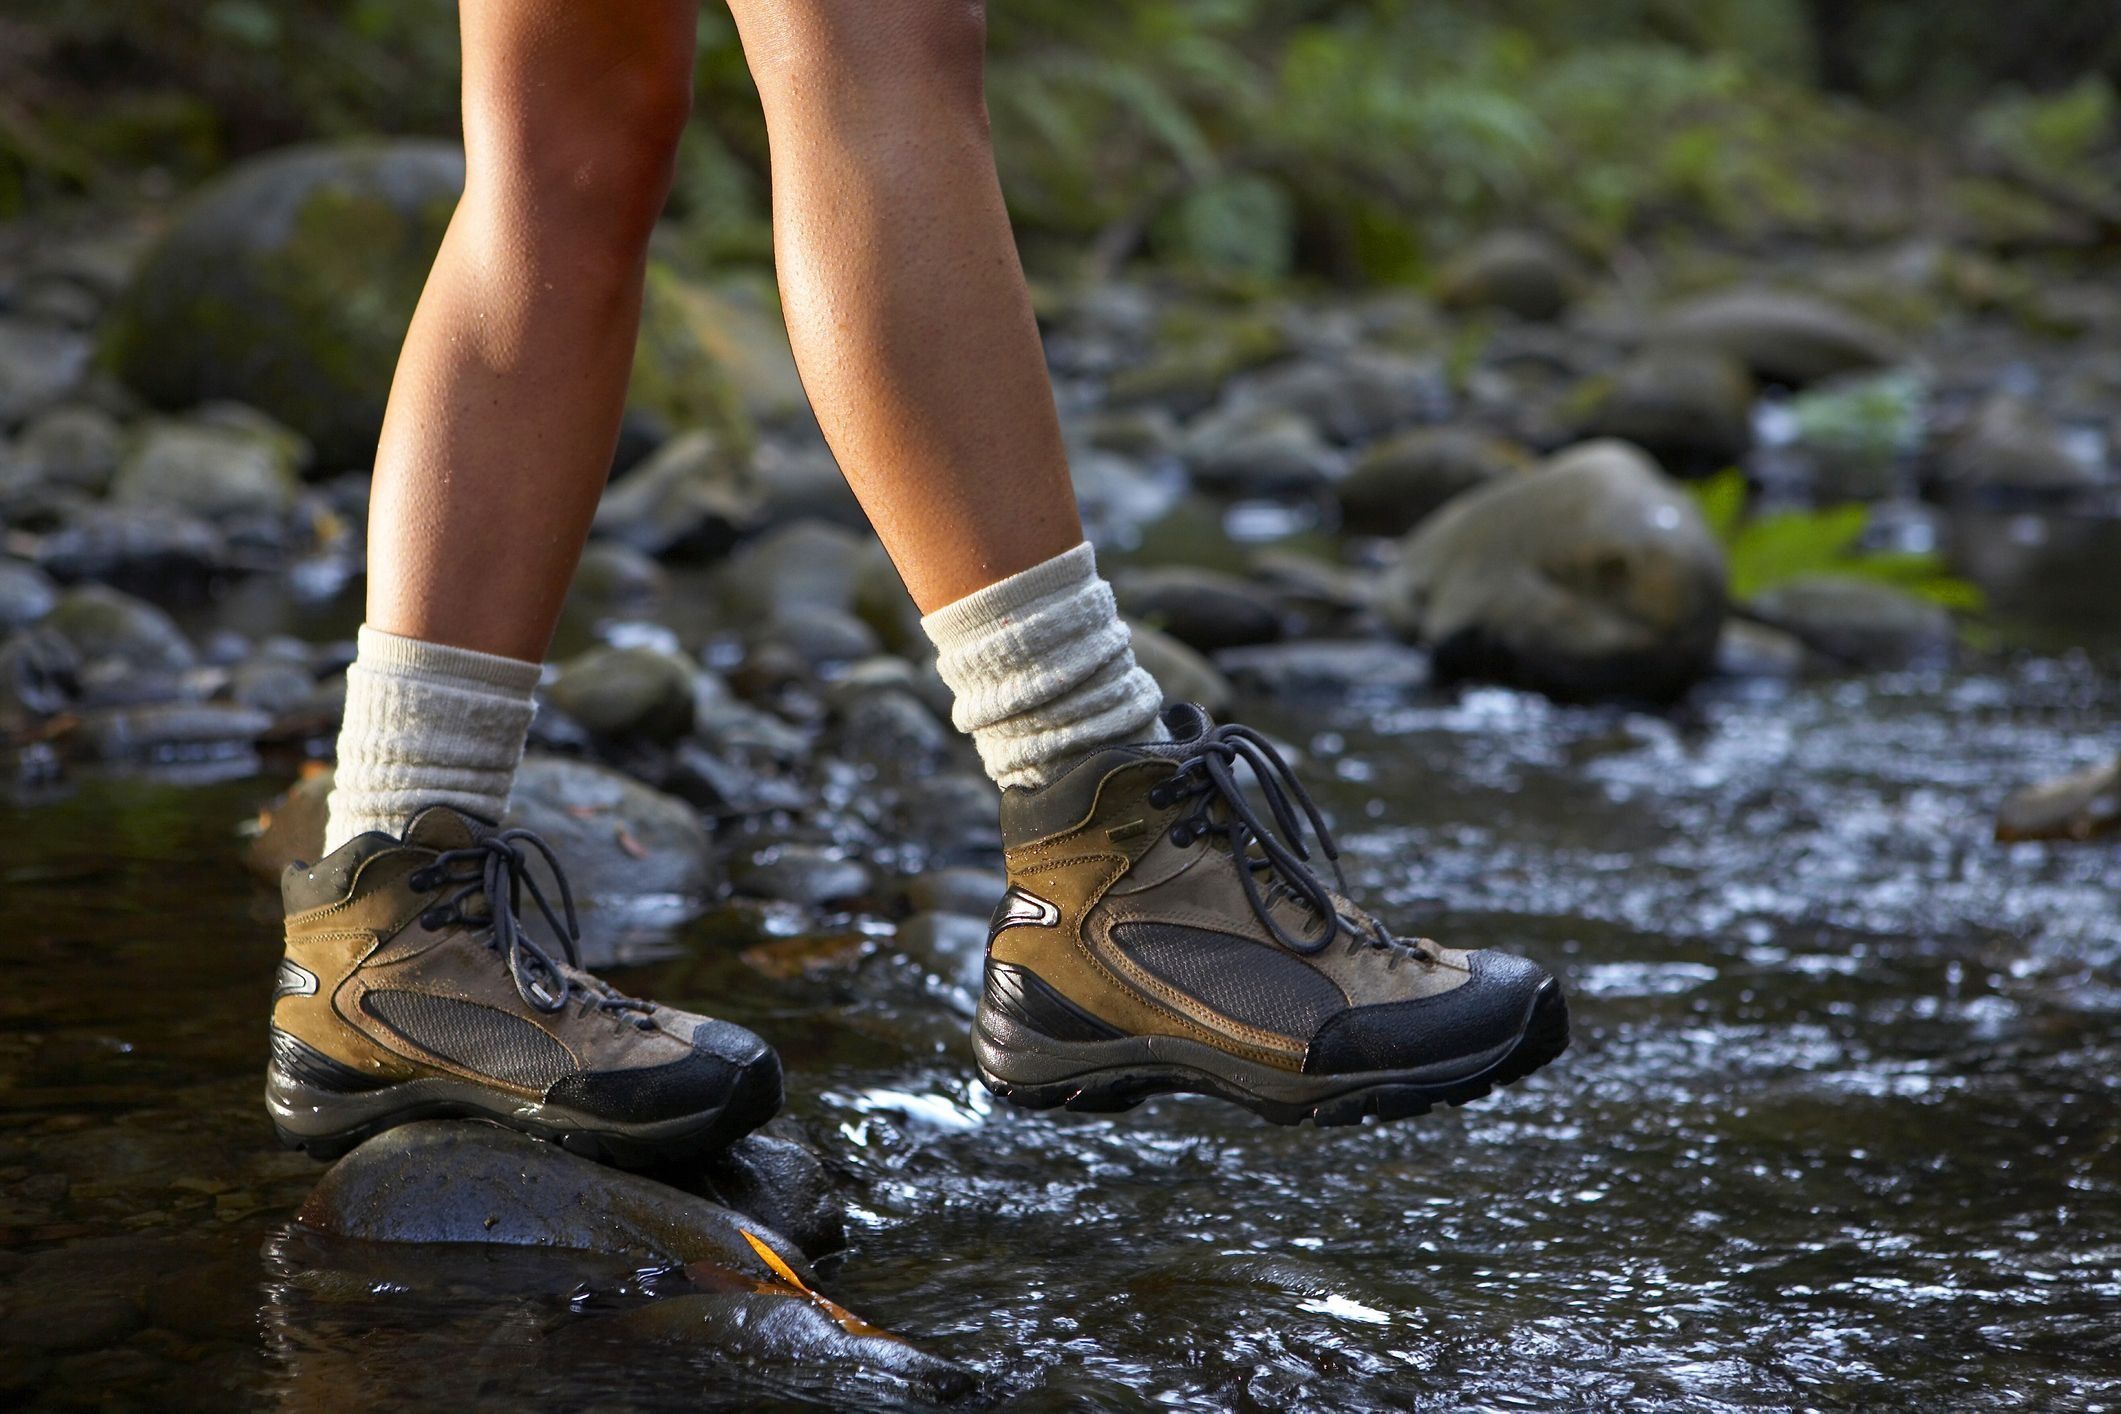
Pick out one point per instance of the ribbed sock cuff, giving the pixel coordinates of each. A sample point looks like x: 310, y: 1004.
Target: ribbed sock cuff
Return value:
x: 1043, y: 670
x: 426, y: 724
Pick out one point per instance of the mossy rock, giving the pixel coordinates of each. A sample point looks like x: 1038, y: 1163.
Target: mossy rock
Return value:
x: 287, y: 285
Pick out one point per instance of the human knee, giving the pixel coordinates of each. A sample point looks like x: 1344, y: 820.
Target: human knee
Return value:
x: 589, y: 163
x: 933, y: 49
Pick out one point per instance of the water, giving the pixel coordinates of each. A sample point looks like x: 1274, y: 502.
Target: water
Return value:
x: 1839, y: 1127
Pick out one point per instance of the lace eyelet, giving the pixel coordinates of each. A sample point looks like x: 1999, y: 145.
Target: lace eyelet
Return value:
x: 1159, y: 798
x: 434, y: 920
x: 421, y: 879
x: 1181, y: 836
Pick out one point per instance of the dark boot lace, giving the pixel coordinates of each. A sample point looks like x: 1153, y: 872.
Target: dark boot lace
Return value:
x: 1208, y: 777
x: 493, y: 873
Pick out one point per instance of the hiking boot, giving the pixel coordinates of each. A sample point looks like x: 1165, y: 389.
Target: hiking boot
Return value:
x: 410, y: 990
x: 1164, y: 933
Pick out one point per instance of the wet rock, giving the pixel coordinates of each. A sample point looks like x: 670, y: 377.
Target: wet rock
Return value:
x: 133, y: 545
x: 104, y: 626
x: 2080, y: 806
x: 1750, y: 650
x: 1193, y: 359
x: 2010, y: 452
x: 272, y: 685
x: 1323, y: 668
x: 73, y: 446
x: 1520, y: 271
x: 622, y: 693
x: 956, y: 890
x: 27, y: 594
x: 1184, y: 675
x: 953, y: 815
x: 620, y: 840
x: 1593, y: 576
x: 950, y: 945
x: 808, y: 564
x: 813, y: 875
x: 1355, y: 397
x: 782, y: 1184
x: 39, y: 365
x: 171, y: 731
x: 881, y: 601
x: 1398, y: 483
x: 83, y: 1296
x: 1200, y: 608
x: 1261, y: 452
x: 820, y: 636
x: 215, y: 471
x: 287, y: 285
x: 453, y: 1181
x: 1118, y: 498
x: 880, y: 720
x: 1689, y: 408
x: 40, y: 676
x: 1782, y: 338
x: 692, y: 500
x: 1858, y: 623
x: 615, y: 578
x: 804, y: 483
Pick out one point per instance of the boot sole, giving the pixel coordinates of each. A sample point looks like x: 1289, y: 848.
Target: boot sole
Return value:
x: 1036, y: 1071
x: 326, y: 1124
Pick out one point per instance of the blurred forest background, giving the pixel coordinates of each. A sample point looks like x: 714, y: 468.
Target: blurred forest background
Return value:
x: 1351, y: 139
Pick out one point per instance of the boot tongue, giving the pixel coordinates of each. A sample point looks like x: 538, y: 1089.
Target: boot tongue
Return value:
x: 440, y: 827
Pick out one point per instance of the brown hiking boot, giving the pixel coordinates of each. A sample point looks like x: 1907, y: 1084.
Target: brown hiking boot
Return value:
x: 410, y: 990
x: 1163, y: 934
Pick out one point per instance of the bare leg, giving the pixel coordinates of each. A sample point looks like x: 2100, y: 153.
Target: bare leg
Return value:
x: 507, y: 399
x: 899, y: 277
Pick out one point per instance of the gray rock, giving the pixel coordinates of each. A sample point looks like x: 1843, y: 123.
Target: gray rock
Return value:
x: 1519, y: 271
x: 39, y: 365
x: 72, y: 446
x: 621, y: 841
x: 1858, y: 623
x: 1689, y: 408
x: 272, y: 685
x: 1591, y: 577
x: 621, y: 693
x: 693, y: 499
x: 880, y: 720
x: 820, y: 636
x: 211, y: 470
x: 105, y: 626
x: 1354, y: 397
x: 881, y: 601
x: 1324, y: 668
x: 2080, y: 806
x: 40, y: 676
x: 956, y: 890
x: 1184, y: 675
x: 1259, y: 452
x: 953, y: 815
x: 132, y: 544
x: 953, y: 946
x: 27, y: 594
x: 807, y: 874
x: 2009, y: 452
x: 1137, y: 434
x: 288, y: 284
x: 1398, y: 483
x: 171, y: 731
x: 1782, y: 338
x: 1200, y: 608
x: 807, y: 563
x: 804, y: 483
x: 614, y: 578
x: 1750, y: 650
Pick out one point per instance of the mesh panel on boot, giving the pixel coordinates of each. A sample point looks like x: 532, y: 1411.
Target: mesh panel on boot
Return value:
x: 478, y: 1038
x: 1244, y: 980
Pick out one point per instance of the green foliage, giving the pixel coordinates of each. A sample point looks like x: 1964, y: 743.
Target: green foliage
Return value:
x: 2059, y: 136
x: 1765, y: 550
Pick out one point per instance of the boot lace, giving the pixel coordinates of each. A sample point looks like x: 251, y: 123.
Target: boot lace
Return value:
x: 490, y: 877
x: 1221, y: 806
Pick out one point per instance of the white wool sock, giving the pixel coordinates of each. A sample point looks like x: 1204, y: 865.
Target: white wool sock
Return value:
x: 426, y: 724
x: 1043, y: 670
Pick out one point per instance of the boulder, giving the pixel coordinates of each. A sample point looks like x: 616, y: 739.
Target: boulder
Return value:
x: 1522, y: 272
x: 1858, y: 623
x: 215, y: 470
x: 1326, y: 669
x: 1783, y: 338
x: 39, y: 365
x: 105, y: 626
x: 2080, y: 806
x: 782, y: 1184
x: 1593, y: 576
x: 1200, y: 608
x: 807, y: 563
x: 72, y: 446
x: 1398, y: 483
x: 2010, y: 452
x: 1689, y: 408
x: 287, y: 284
x: 808, y: 874
x: 1264, y: 452
x: 625, y: 693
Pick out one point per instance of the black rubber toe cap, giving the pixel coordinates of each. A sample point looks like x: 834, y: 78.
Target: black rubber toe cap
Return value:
x: 1487, y: 1010
x: 729, y: 1070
